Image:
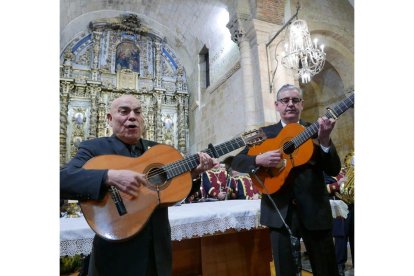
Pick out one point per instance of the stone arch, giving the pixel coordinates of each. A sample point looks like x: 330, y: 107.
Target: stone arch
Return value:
x: 325, y: 90
x: 339, y: 53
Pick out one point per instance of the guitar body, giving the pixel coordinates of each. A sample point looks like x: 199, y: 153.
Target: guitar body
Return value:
x: 102, y: 215
x: 274, y: 178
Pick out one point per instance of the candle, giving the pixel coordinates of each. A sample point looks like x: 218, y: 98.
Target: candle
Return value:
x: 316, y: 42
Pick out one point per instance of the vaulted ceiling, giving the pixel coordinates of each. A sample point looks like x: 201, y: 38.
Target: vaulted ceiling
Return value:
x: 184, y: 24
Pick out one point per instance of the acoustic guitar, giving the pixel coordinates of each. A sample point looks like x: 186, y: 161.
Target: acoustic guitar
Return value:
x: 296, y: 147
x: 119, y: 216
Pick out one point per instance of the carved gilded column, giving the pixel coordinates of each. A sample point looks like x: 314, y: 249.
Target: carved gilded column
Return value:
x: 147, y: 101
x: 94, y: 89
x: 182, y: 99
x: 96, y: 37
x: 179, y: 81
x: 145, y: 58
x: 151, y: 127
x: 66, y: 85
x: 185, y: 118
x: 101, y: 118
x: 158, y: 120
x: 157, y: 67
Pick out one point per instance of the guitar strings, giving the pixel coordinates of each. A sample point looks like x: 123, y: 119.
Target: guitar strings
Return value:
x: 181, y: 163
x: 232, y: 145
x: 339, y: 109
x: 193, y: 158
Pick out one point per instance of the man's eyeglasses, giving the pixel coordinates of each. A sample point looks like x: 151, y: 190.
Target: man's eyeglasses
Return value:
x: 287, y: 100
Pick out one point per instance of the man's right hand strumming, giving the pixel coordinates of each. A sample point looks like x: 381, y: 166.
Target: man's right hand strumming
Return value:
x: 269, y: 159
x: 126, y: 181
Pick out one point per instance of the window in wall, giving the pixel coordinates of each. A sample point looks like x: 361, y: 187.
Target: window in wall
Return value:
x: 204, y: 68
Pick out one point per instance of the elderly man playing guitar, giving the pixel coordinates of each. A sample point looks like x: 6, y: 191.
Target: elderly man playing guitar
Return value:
x: 290, y: 174
x: 123, y: 200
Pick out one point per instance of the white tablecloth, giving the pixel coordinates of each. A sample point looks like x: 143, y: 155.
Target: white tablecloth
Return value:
x: 339, y: 208
x: 187, y: 221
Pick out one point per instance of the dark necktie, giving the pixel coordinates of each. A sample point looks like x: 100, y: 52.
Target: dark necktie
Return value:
x: 134, y: 151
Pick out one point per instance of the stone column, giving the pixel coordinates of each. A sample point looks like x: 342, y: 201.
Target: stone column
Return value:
x: 238, y: 26
x: 267, y: 70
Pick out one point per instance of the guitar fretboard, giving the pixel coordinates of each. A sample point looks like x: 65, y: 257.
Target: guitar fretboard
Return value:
x: 311, y: 130
x: 192, y: 161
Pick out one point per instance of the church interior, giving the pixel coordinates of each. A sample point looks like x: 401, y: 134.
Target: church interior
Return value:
x: 205, y: 72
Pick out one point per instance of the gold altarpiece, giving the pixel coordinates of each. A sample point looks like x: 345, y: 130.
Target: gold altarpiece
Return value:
x: 118, y: 56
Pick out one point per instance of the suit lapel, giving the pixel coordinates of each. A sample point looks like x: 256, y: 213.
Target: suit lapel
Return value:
x: 119, y: 147
x: 278, y: 127
x: 145, y: 144
x: 122, y: 149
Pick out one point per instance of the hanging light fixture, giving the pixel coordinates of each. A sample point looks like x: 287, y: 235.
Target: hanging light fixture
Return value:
x: 303, y: 56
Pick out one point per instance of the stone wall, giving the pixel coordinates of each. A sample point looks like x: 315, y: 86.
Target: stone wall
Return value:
x: 236, y: 34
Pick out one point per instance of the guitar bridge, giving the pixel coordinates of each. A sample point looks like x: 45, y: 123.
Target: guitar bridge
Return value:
x: 281, y: 165
x: 119, y: 204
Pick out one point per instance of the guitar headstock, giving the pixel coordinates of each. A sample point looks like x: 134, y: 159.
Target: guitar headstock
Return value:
x: 253, y: 137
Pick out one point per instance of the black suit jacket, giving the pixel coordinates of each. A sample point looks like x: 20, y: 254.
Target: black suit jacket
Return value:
x: 78, y: 183
x: 131, y: 257
x: 305, y: 184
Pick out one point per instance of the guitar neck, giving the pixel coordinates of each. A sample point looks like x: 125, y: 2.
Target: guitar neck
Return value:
x: 187, y: 164
x: 334, y: 112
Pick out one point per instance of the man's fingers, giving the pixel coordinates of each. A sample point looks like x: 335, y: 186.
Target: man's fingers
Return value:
x: 141, y: 179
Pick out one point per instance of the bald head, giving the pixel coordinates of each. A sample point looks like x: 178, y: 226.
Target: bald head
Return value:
x: 125, y: 118
x: 122, y: 100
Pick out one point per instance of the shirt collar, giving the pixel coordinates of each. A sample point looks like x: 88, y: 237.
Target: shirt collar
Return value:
x: 284, y: 124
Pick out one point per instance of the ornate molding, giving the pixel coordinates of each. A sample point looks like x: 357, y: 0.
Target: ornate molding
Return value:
x: 126, y: 22
x: 126, y: 79
x: 238, y: 27
x: 67, y: 64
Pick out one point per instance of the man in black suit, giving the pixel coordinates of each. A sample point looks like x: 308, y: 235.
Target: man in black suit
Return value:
x: 149, y: 252
x: 303, y: 200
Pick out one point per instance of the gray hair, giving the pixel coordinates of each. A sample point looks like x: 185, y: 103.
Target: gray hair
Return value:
x: 289, y: 87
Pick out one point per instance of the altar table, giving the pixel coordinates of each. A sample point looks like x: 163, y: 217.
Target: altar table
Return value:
x: 209, y: 238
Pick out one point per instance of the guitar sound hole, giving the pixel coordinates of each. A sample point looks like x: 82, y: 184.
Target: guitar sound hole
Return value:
x: 289, y: 147
x: 157, y: 177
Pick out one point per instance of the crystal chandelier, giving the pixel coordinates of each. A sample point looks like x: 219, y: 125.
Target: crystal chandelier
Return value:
x: 302, y: 55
